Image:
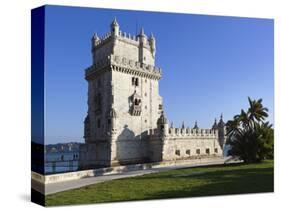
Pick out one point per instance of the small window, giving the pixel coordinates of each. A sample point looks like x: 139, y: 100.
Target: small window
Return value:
x: 145, y: 80
x: 160, y: 107
x: 198, y: 151
x: 177, y: 152
x: 216, y: 150
x: 137, y: 102
x: 144, y: 58
x: 98, y: 123
x: 109, y: 121
x: 187, y: 152
x: 207, y: 151
x: 145, y: 107
x: 133, y: 81
x: 145, y: 94
x: 145, y: 120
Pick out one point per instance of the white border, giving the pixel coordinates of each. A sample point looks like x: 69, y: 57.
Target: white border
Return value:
x: 15, y: 103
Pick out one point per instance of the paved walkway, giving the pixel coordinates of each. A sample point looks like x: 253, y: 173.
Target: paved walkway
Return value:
x: 67, y: 185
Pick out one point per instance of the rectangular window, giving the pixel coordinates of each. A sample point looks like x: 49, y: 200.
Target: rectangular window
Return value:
x: 198, y: 151
x: 177, y: 152
x: 207, y: 151
x: 133, y: 81
x: 216, y: 150
x: 188, y: 152
x: 160, y: 107
x: 98, y: 123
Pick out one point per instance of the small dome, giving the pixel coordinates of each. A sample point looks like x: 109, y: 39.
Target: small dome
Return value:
x: 221, y: 123
x: 95, y: 37
x: 215, y: 125
x: 151, y: 37
x: 114, y: 22
x: 142, y: 34
x: 196, y: 126
x: 162, y: 119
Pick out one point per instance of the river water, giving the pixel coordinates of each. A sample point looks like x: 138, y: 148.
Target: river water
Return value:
x: 58, y: 162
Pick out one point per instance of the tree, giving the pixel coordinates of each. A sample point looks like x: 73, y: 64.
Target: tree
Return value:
x: 249, y: 137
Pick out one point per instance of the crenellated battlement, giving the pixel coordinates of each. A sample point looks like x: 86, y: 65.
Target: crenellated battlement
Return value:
x: 123, y: 36
x: 187, y: 132
x: 99, y: 41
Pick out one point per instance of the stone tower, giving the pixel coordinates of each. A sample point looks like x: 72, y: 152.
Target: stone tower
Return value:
x: 123, y: 98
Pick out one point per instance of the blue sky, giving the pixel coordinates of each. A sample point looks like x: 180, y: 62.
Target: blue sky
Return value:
x: 211, y: 64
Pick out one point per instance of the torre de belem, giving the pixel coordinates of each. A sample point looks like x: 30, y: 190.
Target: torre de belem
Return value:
x: 126, y: 123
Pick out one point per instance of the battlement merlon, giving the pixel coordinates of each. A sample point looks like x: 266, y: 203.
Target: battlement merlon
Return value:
x: 125, y: 65
x: 193, y: 132
x: 187, y: 132
x: 136, y: 47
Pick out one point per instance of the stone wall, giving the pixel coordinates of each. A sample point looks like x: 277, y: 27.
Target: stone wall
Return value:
x: 94, y: 155
x: 186, y: 148
x: 99, y: 101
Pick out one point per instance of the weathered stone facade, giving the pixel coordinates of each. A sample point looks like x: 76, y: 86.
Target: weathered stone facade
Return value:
x: 125, y: 122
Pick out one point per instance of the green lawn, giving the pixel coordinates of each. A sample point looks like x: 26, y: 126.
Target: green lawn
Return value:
x: 191, y: 182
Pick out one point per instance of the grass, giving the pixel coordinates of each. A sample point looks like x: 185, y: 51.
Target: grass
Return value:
x: 191, y: 182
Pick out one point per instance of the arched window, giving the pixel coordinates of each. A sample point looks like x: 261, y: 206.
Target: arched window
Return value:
x: 136, y: 102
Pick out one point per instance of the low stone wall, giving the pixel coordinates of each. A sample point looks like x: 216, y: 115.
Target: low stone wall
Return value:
x: 55, y: 178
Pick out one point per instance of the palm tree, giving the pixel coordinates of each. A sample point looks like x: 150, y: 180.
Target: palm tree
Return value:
x: 249, y: 136
x: 232, y: 127
x: 256, y: 111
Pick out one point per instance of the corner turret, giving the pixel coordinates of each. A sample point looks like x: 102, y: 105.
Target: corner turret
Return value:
x: 195, y: 126
x: 221, y: 129
x: 215, y: 125
x: 142, y: 36
x: 95, y: 41
x: 162, y: 124
x: 114, y: 27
